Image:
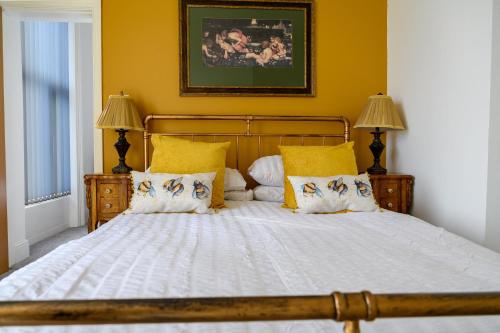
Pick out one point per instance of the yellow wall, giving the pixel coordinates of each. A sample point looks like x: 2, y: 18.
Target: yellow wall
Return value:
x: 141, y: 56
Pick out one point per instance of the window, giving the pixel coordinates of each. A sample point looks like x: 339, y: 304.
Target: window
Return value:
x: 45, y: 56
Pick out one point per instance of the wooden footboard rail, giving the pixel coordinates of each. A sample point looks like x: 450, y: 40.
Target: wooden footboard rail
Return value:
x: 343, y: 307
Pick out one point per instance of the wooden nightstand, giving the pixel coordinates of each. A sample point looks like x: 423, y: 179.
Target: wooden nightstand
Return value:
x: 107, y: 196
x: 393, y: 192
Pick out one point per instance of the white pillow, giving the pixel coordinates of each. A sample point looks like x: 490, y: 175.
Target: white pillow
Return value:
x: 233, y: 180
x: 171, y: 193
x: 269, y: 193
x: 239, y: 195
x: 333, y: 194
x: 268, y: 171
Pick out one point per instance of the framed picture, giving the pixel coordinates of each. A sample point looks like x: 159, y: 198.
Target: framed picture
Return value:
x: 247, y: 48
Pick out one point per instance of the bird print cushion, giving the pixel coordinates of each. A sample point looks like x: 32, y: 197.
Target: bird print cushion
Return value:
x: 171, y: 193
x: 333, y: 194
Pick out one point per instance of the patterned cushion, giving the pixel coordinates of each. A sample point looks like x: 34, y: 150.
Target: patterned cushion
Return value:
x: 333, y: 194
x: 316, y: 161
x: 171, y: 193
x: 172, y: 155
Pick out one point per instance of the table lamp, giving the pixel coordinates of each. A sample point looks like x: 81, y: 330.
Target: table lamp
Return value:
x: 379, y: 113
x: 121, y: 115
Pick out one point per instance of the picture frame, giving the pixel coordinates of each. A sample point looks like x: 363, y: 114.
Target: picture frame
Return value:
x: 247, y: 48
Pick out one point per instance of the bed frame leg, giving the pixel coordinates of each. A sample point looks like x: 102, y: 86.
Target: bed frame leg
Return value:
x: 351, y: 327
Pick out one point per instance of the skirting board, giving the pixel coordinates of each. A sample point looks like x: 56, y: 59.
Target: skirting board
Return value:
x: 49, y: 232
x: 21, y: 252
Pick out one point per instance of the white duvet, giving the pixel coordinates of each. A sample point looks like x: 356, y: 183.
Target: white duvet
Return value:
x: 258, y: 248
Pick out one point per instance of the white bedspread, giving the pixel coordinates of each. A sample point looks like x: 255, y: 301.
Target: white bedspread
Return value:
x: 258, y: 248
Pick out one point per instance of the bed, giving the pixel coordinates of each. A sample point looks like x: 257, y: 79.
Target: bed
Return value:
x: 251, y: 250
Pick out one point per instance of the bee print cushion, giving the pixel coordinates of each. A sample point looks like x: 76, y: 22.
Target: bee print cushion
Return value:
x: 333, y: 194
x: 171, y: 193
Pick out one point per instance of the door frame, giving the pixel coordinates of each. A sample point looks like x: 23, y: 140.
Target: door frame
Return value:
x: 4, y: 248
x: 18, y: 244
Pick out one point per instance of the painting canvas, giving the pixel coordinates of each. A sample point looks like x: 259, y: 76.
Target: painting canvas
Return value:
x: 256, y: 48
x: 247, y: 43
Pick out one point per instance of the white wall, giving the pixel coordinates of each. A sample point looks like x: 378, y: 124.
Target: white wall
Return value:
x: 493, y: 204
x: 439, y: 74
x: 47, y: 218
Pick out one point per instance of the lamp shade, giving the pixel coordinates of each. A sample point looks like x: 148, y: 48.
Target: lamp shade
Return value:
x: 380, y: 112
x: 120, y: 113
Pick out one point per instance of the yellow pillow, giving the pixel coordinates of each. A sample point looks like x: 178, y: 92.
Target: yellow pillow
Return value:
x: 172, y: 155
x: 316, y: 161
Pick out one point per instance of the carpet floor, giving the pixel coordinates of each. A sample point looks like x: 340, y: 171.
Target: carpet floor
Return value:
x: 43, y: 247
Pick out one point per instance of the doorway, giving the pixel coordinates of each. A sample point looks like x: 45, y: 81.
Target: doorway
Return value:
x: 49, y: 116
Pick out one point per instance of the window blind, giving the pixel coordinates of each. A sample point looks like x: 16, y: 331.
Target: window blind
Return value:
x: 45, y: 56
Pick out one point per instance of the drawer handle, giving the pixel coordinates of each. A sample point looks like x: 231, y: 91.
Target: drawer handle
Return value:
x: 390, y: 205
x: 108, y: 191
x: 107, y: 206
x: 390, y: 190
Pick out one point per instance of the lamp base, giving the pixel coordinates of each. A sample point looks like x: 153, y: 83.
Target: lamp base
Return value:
x: 377, y: 170
x: 121, y: 168
x: 377, y: 147
x: 122, y: 146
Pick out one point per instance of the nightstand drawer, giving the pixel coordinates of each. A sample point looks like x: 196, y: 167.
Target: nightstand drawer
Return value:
x: 393, y: 192
x: 108, y: 190
x: 109, y: 205
x: 389, y: 204
x: 107, y: 196
x: 390, y: 189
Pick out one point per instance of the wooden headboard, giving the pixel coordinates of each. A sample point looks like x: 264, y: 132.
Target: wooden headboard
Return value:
x: 248, y: 127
